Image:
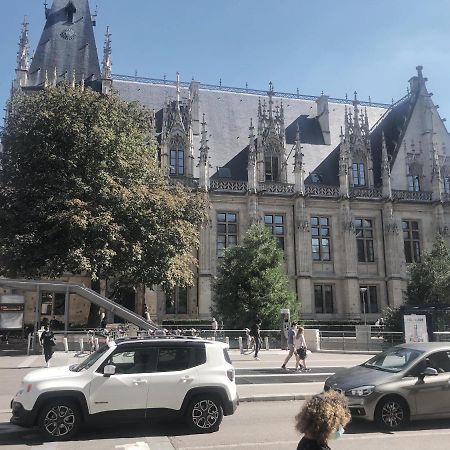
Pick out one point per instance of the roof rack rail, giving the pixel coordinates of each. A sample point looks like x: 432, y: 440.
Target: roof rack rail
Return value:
x: 152, y: 337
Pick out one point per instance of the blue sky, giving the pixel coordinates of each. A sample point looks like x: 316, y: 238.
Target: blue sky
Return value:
x: 371, y: 46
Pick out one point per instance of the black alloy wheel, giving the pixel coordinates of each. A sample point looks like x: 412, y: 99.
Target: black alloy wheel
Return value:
x: 59, y: 420
x: 205, y: 414
x: 392, y: 413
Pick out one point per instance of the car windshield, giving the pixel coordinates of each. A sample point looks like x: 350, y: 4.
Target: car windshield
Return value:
x: 393, y: 360
x: 90, y: 360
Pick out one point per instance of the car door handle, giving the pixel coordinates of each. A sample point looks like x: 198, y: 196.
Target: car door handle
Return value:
x: 138, y: 382
x: 186, y: 378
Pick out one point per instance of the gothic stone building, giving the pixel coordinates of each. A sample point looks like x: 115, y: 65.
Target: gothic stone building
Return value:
x: 353, y: 191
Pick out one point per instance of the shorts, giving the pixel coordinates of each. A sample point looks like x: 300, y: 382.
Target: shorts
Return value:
x: 301, y: 352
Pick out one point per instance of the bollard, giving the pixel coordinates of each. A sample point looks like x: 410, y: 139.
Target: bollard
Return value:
x: 227, y: 340
x: 29, y: 344
x: 66, y: 345
x: 96, y: 344
x: 81, y: 346
x: 266, y: 342
x: 241, y: 348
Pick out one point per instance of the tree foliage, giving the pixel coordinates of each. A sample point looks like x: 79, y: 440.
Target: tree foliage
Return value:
x: 430, y: 278
x: 252, y: 282
x: 81, y: 192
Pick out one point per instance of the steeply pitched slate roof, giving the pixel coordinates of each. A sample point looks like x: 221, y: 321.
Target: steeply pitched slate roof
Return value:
x: 393, y: 123
x: 66, y: 46
x: 228, y: 117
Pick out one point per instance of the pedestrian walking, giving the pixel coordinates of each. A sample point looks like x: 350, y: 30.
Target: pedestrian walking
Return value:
x: 255, y: 332
x: 290, y: 342
x: 47, y: 341
x: 322, y: 418
x: 300, y: 350
x: 214, y: 326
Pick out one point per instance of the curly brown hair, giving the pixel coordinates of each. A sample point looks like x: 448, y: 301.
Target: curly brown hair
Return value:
x: 322, y: 415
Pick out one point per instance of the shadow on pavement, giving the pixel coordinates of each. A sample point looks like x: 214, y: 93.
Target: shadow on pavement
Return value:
x: 358, y: 426
x: 14, y: 435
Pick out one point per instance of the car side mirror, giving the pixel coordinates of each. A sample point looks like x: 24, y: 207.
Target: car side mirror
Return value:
x: 428, y: 372
x: 109, y: 370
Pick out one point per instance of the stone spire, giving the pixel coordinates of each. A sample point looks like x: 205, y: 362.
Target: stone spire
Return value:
x: 204, y: 159
x: 23, y: 56
x: 251, y: 166
x: 385, y: 170
x: 436, y: 174
x: 270, y: 94
x: 67, y: 42
x: 344, y: 163
x: 107, y: 62
x: 299, y: 172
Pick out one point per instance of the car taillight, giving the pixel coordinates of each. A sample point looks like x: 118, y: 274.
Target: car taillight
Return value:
x: 230, y: 374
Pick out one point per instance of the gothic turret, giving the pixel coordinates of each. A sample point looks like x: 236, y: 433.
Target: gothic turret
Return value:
x: 299, y: 172
x: 251, y: 166
x: 107, y: 64
x: 66, y: 43
x: 385, y: 170
x: 204, y: 160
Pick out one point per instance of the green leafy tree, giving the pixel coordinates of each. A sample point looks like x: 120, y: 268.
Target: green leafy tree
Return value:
x: 252, y: 282
x: 430, y: 278
x: 81, y: 192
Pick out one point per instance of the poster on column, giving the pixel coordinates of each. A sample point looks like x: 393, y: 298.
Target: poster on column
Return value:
x: 415, y: 328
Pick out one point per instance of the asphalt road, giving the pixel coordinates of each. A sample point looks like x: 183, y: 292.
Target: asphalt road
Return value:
x: 268, y: 425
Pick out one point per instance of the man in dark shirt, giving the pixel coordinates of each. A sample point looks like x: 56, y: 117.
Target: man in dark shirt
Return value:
x: 255, y: 332
x: 47, y: 341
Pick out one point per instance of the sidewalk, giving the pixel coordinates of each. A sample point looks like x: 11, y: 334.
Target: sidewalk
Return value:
x: 272, y: 359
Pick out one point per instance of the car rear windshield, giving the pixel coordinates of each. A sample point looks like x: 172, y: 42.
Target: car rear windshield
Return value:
x: 394, y: 360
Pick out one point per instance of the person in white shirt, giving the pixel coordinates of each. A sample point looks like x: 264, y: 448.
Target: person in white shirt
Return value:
x: 300, y: 350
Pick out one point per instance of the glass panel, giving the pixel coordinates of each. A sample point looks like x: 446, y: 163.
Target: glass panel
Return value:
x: 231, y: 217
x: 324, y: 231
x: 221, y: 228
x: 408, y: 255
x: 318, y: 299
x: 328, y: 294
x: 275, y: 174
x: 278, y: 219
x: 326, y: 254
x: 367, y: 223
x: 368, y: 233
x: 359, y: 233
x: 220, y: 245
x: 362, y: 177
x: 268, y: 219
x: 358, y: 223
x: 416, y: 249
x: 324, y: 221
x: 232, y: 229
x: 415, y: 225
x: 221, y: 217
x: 315, y: 231
x: 360, y: 248
x: 404, y: 224
x: 415, y: 235
x: 370, y: 254
x: 314, y: 221
x: 221, y: 238
x: 232, y: 240
x: 279, y: 230
x: 182, y: 301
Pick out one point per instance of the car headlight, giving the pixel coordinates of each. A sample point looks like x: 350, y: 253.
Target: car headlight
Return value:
x: 361, y: 391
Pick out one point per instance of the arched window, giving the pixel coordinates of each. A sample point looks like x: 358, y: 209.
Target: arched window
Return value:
x: 177, y: 156
x: 358, y: 174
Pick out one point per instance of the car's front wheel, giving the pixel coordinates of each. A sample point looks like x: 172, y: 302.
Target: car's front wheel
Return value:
x: 59, y: 420
x: 392, y: 413
x: 205, y: 413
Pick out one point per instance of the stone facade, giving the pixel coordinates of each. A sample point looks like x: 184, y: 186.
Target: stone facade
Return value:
x: 353, y: 191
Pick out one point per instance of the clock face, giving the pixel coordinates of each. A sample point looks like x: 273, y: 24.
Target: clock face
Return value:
x: 68, y: 34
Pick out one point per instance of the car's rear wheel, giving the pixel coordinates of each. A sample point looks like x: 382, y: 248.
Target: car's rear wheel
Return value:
x: 392, y: 413
x: 59, y: 420
x: 204, y: 414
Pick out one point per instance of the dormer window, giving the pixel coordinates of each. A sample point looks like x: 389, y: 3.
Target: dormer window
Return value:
x: 177, y: 157
x: 70, y: 10
x: 414, y: 183
x: 358, y: 174
x: 447, y: 184
x: 271, y: 168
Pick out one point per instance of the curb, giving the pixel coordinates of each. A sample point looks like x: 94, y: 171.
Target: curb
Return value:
x: 275, y: 398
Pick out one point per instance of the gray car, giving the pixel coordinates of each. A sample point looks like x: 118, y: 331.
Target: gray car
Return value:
x: 406, y: 382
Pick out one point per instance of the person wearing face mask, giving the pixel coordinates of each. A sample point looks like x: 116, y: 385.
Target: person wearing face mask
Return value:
x: 321, y: 420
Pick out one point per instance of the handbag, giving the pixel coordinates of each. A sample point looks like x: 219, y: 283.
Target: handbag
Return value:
x: 301, y: 352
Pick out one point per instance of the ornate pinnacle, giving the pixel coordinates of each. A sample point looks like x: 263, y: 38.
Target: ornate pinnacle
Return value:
x: 23, y: 53
x: 270, y: 94
x: 178, y: 88
x: 298, y: 155
x: 204, y: 143
x: 385, y: 165
x: 107, y: 51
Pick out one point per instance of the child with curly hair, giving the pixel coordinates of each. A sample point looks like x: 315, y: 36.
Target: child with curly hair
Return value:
x: 321, y: 419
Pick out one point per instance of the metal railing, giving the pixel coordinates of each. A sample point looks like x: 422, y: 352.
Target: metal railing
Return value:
x: 246, y: 90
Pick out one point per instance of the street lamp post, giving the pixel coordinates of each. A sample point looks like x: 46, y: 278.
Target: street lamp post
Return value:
x: 363, y: 291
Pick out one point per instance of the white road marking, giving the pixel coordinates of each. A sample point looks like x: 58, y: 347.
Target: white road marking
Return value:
x: 135, y: 446
x: 29, y: 362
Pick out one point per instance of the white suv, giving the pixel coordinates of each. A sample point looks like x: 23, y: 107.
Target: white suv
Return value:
x: 134, y: 379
